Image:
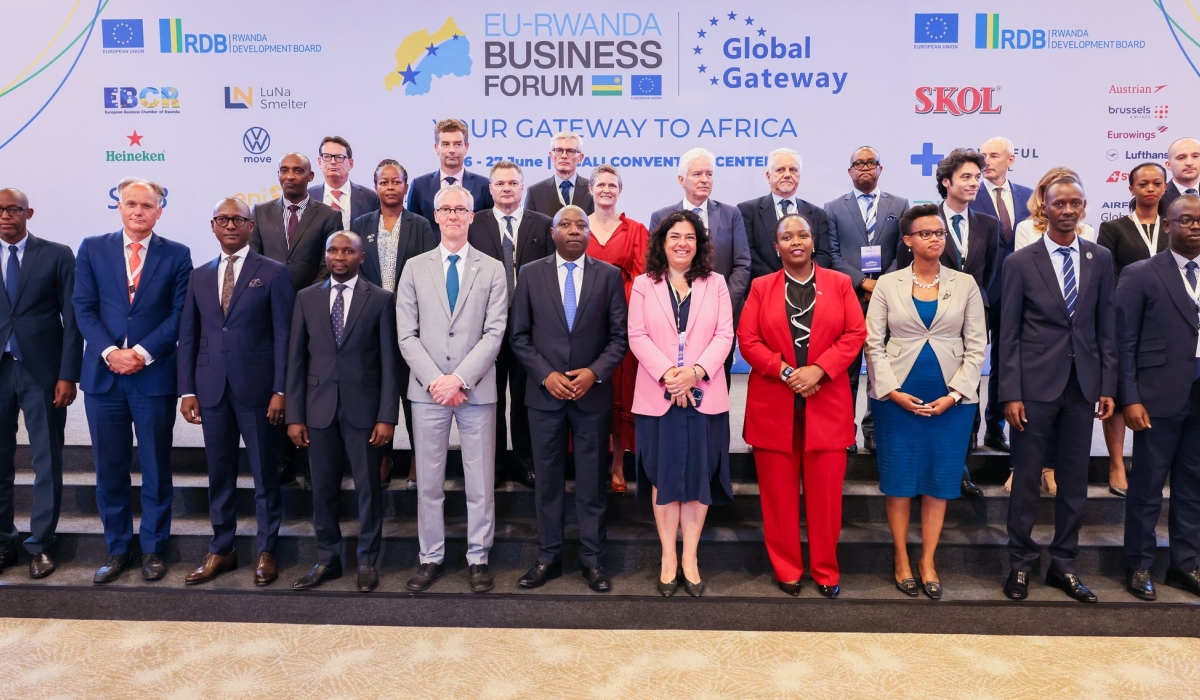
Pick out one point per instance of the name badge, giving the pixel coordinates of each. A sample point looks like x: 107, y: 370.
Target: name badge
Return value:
x: 872, y: 258
x: 682, y: 337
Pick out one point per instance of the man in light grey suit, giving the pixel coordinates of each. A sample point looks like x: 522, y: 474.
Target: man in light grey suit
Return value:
x: 864, y: 220
x: 450, y: 318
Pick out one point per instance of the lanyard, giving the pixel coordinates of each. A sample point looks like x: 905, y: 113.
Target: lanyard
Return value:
x: 558, y: 191
x: 131, y: 275
x: 1150, y: 236
x: 958, y: 240
x: 682, y: 333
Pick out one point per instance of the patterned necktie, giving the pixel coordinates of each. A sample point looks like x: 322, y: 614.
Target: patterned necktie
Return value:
x: 566, y: 191
x: 227, y: 285
x: 696, y: 211
x: 338, y: 315
x: 452, y: 281
x: 293, y: 223
x: 12, y: 276
x: 509, y: 258
x: 569, y: 300
x: 1070, y: 294
x: 337, y: 194
x: 450, y: 181
x: 135, y: 268
x: 784, y: 205
x: 1006, y: 227
x: 870, y: 218
x: 956, y: 220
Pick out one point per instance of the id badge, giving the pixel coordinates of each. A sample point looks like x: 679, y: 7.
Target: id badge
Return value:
x: 872, y: 258
x: 682, y: 336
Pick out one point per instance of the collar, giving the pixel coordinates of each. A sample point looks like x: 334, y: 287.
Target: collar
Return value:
x: 690, y: 206
x: 950, y: 212
x: 1180, y: 260
x: 21, y: 244
x: 1007, y: 186
x: 1052, y: 247
x: 444, y: 252
x: 458, y: 175
x: 811, y: 276
x: 558, y: 181
x: 344, y: 189
x: 874, y: 193
x: 303, y: 204
x: 241, y: 254
x: 559, y: 261
x: 793, y: 199
x: 124, y: 234
x: 350, y: 283
x: 516, y: 215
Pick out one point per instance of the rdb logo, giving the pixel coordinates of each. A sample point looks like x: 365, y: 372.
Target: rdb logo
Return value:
x: 957, y: 101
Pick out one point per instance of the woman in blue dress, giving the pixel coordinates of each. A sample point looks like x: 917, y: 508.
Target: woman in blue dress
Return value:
x: 926, y: 334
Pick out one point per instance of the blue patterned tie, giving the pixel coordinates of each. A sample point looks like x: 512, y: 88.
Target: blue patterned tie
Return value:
x: 870, y: 220
x: 452, y: 281
x: 696, y: 211
x: 12, y: 276
x: 566, y: 191
x: 956, y: 220
x: 338, y: 315
x: 510, y: 272
x: 1070, y: 294
x: 784, y: 205
x: 569, y: 295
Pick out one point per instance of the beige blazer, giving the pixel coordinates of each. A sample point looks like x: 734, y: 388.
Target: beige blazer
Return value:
x: 896, y: 335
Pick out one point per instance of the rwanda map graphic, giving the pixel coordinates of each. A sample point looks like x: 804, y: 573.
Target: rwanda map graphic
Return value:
x: 422, y: 56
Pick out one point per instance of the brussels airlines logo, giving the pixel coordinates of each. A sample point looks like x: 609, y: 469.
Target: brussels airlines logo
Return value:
x: 752, y: 56
x: 957, y: 101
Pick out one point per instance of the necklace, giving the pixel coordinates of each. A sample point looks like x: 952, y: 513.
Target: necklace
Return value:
x: 931, y: 285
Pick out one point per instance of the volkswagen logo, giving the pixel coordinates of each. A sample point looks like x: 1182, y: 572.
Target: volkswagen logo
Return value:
x: 256, y: 140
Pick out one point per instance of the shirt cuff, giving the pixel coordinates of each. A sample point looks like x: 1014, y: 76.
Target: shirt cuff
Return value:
x: 145, y: 355
x: 105, y: 351
x: 187, y: 396
x: 465, y: 386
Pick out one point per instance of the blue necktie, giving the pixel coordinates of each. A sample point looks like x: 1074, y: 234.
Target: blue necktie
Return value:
x: 784, y: 205
x: 12, y: 276
x: 452, y: 281
x: 569, y: 295
x: 870, y: 219
x: 696, y: 211
x: 338, y: 315
x: 1190, y: 190
x: 450, y: 181
x: 566, y: 191
x: 956, y: 220
x: 1070, y: 294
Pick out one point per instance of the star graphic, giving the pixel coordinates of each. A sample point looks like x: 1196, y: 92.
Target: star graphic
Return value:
x: 454, y: 37
x: 749, y: 21
x: 762, y: 32
x: 135, y: 139
x: 703, y: 68
x: 697, y: 49
x: 712, y: 22
x: 431, y: 49
x: 701, y: 34
x: 410, y: 75
x: 713, y: 80
x: 732, y: 15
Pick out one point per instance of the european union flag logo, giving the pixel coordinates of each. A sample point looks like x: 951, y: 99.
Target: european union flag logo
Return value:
x: 645, y: 85
x: 122, y: 33
x: 937, y: 28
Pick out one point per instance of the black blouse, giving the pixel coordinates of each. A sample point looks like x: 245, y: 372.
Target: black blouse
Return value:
x: 801, y: 300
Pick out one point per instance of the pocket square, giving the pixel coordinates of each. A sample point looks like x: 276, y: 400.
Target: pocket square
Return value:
x: 256, y: 282
x: 893, y: 217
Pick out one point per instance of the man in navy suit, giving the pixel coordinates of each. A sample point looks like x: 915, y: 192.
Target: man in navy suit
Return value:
x: 349, y: 199
x: 1008, y: 203
x: 1183, y: 160
x: 864, y: 220
x: 450, y: 143
x: 129, y: 292
x: 566, y: 185
x: 38, y: 371
x: 1059, y: 356
x: 1157, y: 329
x: 568, y: 330
x: 233, y: 338
x: 762, y: 213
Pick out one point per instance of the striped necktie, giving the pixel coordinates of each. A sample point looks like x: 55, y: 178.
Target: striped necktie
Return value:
x: 1070, y: 294
x: 870, y: 218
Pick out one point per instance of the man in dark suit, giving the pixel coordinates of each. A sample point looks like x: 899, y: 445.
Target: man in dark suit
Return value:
x: 292, y: 229
x: 38, y: 371
x: 349, y: 199
x: 1157, y: 326
x: 565, y: 186
x: 1008, y: 203
x: 393, y: 235
x: 1059, y: 356
x: 762, y: 213
x: 343, y: 402
x: 233, y: 338
x: 864, y: 232
x: 1183, y: 160
x: 515, y: 236
x: 129, y: 292
x: 450, y: 143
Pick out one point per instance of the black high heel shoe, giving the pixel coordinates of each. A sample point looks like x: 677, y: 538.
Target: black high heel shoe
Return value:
x: 695, y: 590
x: 667, y: 589
x: 908, y: 587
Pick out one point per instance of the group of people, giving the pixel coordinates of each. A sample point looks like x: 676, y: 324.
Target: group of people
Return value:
x: 334, y: 308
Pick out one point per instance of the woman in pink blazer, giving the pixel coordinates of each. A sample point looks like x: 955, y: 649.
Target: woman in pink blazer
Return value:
x: 680, y: 399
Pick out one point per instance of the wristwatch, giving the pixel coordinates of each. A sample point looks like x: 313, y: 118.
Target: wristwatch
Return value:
x: 958, y: 398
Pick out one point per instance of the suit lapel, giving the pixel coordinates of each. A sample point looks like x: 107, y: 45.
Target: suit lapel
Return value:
x: 325, y: 312
x: 310, y: 213
x: 1168, y: 272
x: 523, y: 236
x: 699, y: 293
x: 154, y: 254
x: 766, y: 213
x: 116, y: 264
x: 780, y: 317
x: 466, y: 277
x: 362, y: 295
x: 1085, y: 268
x: 29, y: 259
x: 433, y: 264
x: 945, y: 295
x: 549, y: 269
x: 856, y: 213
x: 249, y: 268
x: 585, y: 290
x: 1041, y: 260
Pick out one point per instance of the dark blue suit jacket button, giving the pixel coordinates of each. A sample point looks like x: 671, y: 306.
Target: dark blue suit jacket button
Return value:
x: 1070, y: 353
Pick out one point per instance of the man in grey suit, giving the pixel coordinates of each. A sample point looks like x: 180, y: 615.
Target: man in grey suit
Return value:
x: 292, y: 230
x: 349, y: 199
x: 864, y: 231
x: 450, y: 319
x: 565, y: 186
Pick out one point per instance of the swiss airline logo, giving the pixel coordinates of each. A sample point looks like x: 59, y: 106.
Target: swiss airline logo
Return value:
x: 1117, y: 176
x: 957, y: 101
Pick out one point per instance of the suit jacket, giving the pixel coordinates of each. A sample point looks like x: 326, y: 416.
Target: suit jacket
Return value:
x: 43, y: 317
x: 363, y: 200
x: 424, y: 187
x: 984, y: 205
x: 435, y: 341
x: 1157, y: 325
x: 848, y: 234
x: 542, y: 197
x: 1124, y: 240
x: 1169, y: 196
x: 759, y: 219
x: 1040, y: 341
x: 982, y: 235
x: 654, y: 341
x: 896, y: 335
x: 306, y: 258
x: 416, y: 237
x: 246, y: 349
x: 360, y: 375
x: 533, y: 237
x: 542, y: 344
x: 731, y: 248
x: 107, y: 318
x: 765, y: 340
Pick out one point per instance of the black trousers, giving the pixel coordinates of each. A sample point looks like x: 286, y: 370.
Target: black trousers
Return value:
x: 1171, y: 447
x: 327, y: 448
x: 45, y: 424
x: 510, y: 373
x: 995, y: 410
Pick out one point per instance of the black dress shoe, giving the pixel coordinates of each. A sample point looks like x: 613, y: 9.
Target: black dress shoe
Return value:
x: 598, y: 579
x: 852, y: 450
x: 539, y: 574
x: 1187, y: 580
x: 792, y: 589
x: 969, y: 489
x: 111, y: 571
x: 425, y: 576
x: 667, y: 589
x: 368, y: 579
x: 287, y: 477
x: 695, y: 590
x: 479, y: 578
x: 41, y: 565
x: 830, y: 592
x: 996, y: 441
x: 869, y: 442
x: 1138, y: 583
x: 1017, y: 585
x: 8, y: 557
x: 932, y: 589
x: 908, y: 587
x: 1071, y: 585
x: 317, y: 575
x: 527, y: 478
x: 1118, y: 492
x: 153, y: 567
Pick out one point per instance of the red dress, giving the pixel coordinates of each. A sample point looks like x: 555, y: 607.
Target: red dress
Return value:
x: 626, y: 249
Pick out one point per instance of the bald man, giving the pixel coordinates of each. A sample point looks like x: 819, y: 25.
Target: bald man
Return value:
x: 292, y: 230
x: 1183, y: 160
x: 38, y: 371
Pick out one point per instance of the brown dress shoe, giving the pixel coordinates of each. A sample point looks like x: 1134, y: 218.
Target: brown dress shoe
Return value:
x: 212, y: 566
x: 264, y: 570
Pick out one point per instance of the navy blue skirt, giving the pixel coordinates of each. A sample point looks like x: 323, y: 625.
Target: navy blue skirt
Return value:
x: 685, y: 454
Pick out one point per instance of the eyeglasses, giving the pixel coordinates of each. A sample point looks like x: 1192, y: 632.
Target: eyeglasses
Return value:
x: 865, y: 164
x: 939, y: 234
x: 1184, y: 221
x: 457, y: 211
x: 564, y: 152
x: 13, y: 211
x: 334, y: 157
x: 223, y: 221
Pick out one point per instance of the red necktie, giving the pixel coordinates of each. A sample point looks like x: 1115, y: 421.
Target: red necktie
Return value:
x: 337, y: 194
x: 135, y: 267
x: 293, y: 221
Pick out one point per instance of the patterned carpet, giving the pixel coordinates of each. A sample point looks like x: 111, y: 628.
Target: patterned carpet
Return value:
x: 76, y: 659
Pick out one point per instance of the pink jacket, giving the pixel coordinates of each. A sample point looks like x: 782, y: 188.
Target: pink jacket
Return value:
x: 653, y: 340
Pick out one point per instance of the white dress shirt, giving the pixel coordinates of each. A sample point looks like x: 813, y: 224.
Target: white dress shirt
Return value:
x: 1025, y: 233
x: 458, y: 177
x: 347, y: 295
x: 1057, y: 260
x: 964, y: 226
x: 516, y: 224
x: 1184, y: 188
x: 576, y: 275
x: 343, y: 202
x: 462, y: 258
x: 238, y: 259
x: 779, y: 209
x: 1193, y: 292
x: 703, y: 209
x: 143, y: 255
x: 4, y: 255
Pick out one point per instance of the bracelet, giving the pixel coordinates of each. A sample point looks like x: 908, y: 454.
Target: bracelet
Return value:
x: 696, y: 371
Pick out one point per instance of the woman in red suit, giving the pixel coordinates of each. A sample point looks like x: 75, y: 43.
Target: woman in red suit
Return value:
x: 800, y: 329
x: 620, y: 242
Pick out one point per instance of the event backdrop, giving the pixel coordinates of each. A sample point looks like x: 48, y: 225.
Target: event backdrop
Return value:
x: 206, y: 97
